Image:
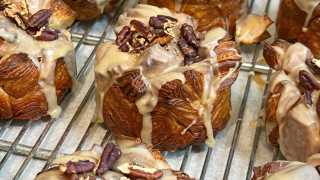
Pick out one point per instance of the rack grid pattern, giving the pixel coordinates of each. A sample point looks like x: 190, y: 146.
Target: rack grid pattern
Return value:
x: 10, y: 147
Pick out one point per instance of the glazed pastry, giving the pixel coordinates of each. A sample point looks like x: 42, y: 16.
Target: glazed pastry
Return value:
x: 35, y: 66
x: 293, y: 106
x: 298, y: 20
x: 287, y: 170
x: 90, y: 9
x: 162, y: 81
x: 62, y: 15
x: 131, y: 160
x: 209, y: 13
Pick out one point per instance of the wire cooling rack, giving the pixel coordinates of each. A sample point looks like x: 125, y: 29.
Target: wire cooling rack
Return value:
x: 28, y: 147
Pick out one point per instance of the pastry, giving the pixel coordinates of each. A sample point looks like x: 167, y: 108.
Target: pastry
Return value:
x: 35, y: 66
x: 90, y: 9
x: 62, y: 16
x: 209, y: 13
x: 293, y: 105
x: 299, y: 20
x: 131, y: 160
x: 283, y: 170
x: 164, y: 82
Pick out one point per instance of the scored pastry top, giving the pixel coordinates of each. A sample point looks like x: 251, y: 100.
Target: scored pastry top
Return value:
x: 157, y: 56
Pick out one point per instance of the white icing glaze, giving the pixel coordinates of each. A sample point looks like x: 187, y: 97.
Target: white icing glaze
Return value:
x: 308, y: 6
x: 295, y: 171
x: 48, y: 51
x: 143, y: 12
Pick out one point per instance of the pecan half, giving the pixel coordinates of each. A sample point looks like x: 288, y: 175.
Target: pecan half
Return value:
x: 314, y: 65
x: 123, y: 36
x: 188, y: 51
x: 188, y: 34
x: 110, y: 155
x: 79, y: 167
x: 140, y: 27
x: 159, y: 21
x: 139, y: 173
x: 39, y: 19
x: 47, y: 35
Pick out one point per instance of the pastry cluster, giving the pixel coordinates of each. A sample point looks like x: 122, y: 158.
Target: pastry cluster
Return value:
x: 36, y: 61
x: 129, y: 160
x: 164, y: 82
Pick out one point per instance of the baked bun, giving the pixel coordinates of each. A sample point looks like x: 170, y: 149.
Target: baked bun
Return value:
x: 209, y: 14
x: 35, y: 66
x: 299, y: 20
x: 128, y: 160
x: 62, y: 16
x: 90, y: 9
x: 162, y: 81
x: 293, y: 106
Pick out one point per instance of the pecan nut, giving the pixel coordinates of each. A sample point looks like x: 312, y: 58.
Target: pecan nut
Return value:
x: 79, y: 167
x: 110, y: 155
x: 140, y: 27
x: 123, y: 36
x: 39, y: 19
x: 47, y: 35
x: 137, y: 173
x: 189, y: 35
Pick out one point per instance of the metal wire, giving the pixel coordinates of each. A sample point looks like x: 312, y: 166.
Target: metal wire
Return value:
x: 34, y: 152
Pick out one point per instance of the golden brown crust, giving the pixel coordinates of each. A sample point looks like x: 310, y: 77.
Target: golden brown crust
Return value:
x: 20, y: 92
x: 172, y: 116
x: 86, y: 9
x: 290, y: 24
x: 221, y: 110
x: 209, y: 13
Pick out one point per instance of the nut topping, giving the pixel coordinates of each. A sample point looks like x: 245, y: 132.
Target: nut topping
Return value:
x: 135, y: 173
x: 39, y: 19
x: 188, y: 34
x: 47, y: 35
x: 78, y: 167
x: 109, y: 156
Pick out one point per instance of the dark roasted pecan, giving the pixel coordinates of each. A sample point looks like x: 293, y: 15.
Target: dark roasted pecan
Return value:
x: 140, y: 27
x: 313, y: 65
x: 137, y: 174
x: 159, y: 21
x: 79, y: 167
x: 186, y: 49
x: 47, y: 35
x: 307, y: 82
x: 188, y: 34
x: 110, y: 155
x: 123, y: 36
x: 39, y: 19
